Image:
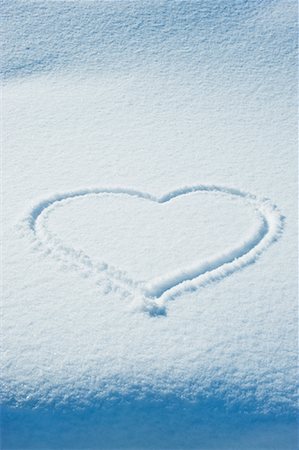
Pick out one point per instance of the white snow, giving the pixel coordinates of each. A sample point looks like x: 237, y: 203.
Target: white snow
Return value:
x: 149, y: 216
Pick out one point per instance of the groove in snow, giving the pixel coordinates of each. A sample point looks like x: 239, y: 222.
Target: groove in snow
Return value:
x: 152, y: 296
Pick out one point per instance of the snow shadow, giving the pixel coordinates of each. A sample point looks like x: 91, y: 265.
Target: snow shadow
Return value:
x: 165, y: 423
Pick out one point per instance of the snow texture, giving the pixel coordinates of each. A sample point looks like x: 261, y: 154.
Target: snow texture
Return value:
x: 149, y: 225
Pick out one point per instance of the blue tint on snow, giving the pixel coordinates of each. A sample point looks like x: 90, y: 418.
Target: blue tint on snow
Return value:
x: 150, y: 423
x: 45, y: 36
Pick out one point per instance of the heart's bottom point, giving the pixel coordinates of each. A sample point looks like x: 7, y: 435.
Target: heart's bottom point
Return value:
x: 149, y: 305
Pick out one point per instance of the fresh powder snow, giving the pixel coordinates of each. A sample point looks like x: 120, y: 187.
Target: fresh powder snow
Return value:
x: 149, y: 225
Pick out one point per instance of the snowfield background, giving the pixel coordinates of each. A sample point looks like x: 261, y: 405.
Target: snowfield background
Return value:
x: 149, y: 224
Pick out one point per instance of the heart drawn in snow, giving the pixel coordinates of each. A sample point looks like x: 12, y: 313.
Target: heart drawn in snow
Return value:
x: 152, y: 295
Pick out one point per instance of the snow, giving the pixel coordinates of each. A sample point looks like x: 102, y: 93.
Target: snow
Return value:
x: 149, y: 216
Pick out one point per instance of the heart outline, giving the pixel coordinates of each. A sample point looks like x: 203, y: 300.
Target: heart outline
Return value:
x: 152, y: 295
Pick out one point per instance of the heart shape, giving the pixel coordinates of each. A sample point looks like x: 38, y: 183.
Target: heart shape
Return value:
x: 152, y: 295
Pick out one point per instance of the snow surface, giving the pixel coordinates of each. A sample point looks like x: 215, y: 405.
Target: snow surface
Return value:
x: 149, y: 215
